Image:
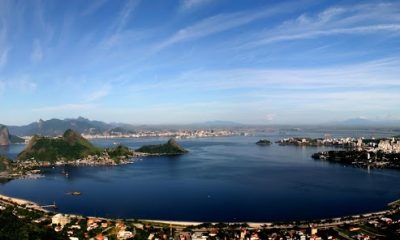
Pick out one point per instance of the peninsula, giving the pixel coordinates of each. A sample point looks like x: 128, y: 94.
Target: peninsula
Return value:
x: 73, y: 149
x: 375, y: 153
x: 69, y: 149
x: 315, y: 142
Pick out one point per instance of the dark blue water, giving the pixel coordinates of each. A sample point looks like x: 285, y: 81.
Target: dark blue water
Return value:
x: 221, y: 179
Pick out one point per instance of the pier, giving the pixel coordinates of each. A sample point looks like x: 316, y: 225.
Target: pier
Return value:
x: 54, y: 206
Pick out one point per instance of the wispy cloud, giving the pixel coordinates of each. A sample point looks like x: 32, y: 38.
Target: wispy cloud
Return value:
x: 3, y: 42
x: 189, y: 5
x: 2, y: 87
x: 360, y: 19
x: 23, y: 84
x: 100, y: 93
x: 119, y: 24
x: 65, y: 107
x: 37, y: 52
x: 220, y: 23
x: 93, y: 7
x: 380, y: 73
x: 125, y: 14
x: 3, y: 57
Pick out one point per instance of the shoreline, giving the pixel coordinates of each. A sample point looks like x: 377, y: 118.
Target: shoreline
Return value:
x: 320, y: 223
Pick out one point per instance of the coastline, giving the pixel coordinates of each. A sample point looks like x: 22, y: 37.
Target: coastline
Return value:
x: 319, y: 223
x: 22, y: 202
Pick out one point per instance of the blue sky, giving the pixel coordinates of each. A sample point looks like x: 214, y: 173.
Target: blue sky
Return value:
x: 186, y: 61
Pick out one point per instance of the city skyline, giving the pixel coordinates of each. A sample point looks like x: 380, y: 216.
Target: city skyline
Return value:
x: 189, y: 61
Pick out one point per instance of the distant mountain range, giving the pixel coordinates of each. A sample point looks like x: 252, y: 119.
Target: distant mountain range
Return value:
x: 364, y: 122
x: 56, y: 127
x: 218, y: 123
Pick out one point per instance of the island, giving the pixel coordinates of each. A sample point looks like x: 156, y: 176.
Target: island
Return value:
x: 69, y: 149
x: 169, y: 148
x: 264, y: 142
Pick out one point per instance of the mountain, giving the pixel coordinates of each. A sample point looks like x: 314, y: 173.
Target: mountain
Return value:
x: 16, y: 139
x: 169, y: 148
x: 70, y: 146
x: 218, y: 123
x: 364, y: 122
x: 4, y: 136
x: 56, y: 127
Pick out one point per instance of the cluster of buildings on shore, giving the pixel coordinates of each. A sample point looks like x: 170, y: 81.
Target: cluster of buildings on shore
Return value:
x: 389, y: 146
x: 91, y: 160
x: 343, y: 142
x: 385, y: 145
x: 164, y: 133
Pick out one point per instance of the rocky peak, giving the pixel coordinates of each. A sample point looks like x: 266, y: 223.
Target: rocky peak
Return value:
x: 4, y: 136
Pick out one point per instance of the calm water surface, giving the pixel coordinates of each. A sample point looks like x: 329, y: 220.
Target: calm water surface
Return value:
x: 221, y: 179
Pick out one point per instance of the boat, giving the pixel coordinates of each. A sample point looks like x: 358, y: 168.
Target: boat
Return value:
x: 74, y: 193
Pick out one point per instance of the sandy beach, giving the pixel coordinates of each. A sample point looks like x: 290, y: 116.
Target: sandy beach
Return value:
x: 18, y: 201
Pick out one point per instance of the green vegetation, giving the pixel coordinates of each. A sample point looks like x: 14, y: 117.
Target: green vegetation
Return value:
x: 118, y: 152
x: 5, y: 164
x: 13, y: 227
x: 264, y: 142
x: 70, y: 146
x: 169, y: 148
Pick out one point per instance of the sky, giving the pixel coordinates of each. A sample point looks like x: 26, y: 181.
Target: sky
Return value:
x: 190, y: 61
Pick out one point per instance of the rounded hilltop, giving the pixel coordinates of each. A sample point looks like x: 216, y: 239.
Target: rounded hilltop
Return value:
x: 169, y: 148
x: 70, y: 146
x: 264, y: 142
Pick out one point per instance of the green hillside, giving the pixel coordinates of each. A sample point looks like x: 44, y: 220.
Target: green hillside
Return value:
x: 169, y: 148
x: 5, y: 164
x: 70, y: 146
